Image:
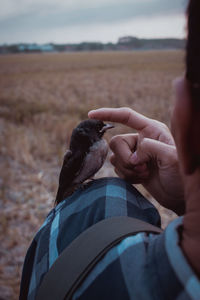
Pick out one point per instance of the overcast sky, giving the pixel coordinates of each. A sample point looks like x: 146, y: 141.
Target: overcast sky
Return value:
x: 68, y: 21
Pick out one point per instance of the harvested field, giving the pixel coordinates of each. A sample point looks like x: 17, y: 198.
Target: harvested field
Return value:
x: 42, y: 97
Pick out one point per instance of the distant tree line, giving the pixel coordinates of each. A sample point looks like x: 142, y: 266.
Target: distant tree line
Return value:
x: 127, y: 43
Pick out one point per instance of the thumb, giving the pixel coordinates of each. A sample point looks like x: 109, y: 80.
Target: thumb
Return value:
x: 153, y: 150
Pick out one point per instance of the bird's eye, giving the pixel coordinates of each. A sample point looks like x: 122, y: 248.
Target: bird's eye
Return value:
x: 99, y: 128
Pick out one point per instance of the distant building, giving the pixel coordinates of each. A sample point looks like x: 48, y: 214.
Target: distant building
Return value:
x: 47, y: 48
x: 35, y: 48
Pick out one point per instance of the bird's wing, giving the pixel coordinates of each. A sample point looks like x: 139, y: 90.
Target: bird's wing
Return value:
x: 93, y: 161
x: 72, y: 164
x: 67, y: 155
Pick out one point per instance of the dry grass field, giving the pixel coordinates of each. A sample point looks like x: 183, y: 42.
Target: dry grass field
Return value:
x: 42, y: 97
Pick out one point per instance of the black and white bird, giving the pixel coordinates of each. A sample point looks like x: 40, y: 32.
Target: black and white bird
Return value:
x: 86, y: 155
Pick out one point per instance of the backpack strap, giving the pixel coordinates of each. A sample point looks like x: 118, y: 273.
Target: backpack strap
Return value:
x: 78, y: 259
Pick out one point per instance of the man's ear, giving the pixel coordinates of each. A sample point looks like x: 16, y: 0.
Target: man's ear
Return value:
x: 186, y: 126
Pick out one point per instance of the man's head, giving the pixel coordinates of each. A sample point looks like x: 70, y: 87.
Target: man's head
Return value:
x: 186, y: 126
x: 186, y: 116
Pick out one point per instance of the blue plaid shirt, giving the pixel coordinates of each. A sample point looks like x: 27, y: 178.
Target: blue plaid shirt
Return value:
x: 143, y: 266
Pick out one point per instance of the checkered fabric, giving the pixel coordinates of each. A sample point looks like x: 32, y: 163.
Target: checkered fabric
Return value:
x: 142, y: 266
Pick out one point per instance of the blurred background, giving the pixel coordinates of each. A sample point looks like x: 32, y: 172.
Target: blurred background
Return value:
x: 58, y: 60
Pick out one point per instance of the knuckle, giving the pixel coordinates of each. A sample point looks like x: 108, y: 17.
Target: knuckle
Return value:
x: 115, y: 140
x: 143, y: 143
x: 164, y: 127
x: 113, y: 160
x: 161, y: 125
x: 127, y: 165
x: 127, y: 113
x: 126, y: 109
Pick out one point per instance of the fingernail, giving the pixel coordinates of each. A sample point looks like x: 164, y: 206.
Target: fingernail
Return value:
x: 134, y: 158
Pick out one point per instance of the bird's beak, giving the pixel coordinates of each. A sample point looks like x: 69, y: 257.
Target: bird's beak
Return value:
x: 106, y: 127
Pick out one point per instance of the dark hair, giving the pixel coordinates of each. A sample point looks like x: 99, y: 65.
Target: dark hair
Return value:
x: 193, y: 45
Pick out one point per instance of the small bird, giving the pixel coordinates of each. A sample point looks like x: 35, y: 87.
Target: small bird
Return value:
x: 86, y: 155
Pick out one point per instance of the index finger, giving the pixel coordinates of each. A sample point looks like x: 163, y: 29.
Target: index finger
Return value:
x: 123, y: 115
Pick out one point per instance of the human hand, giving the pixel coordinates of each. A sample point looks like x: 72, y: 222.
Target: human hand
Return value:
x: 148, y: 157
